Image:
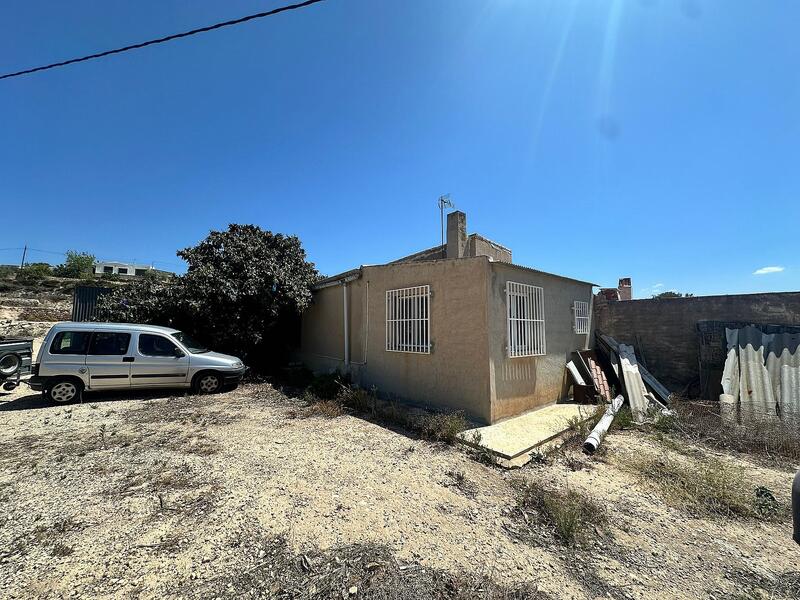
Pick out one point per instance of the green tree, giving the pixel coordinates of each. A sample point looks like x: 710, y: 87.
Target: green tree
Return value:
x: 76, y: 266
x: 243, y: 293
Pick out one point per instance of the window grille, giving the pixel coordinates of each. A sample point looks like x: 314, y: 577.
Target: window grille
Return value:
x: 408, y: 323
x: 581, y: 310
x: 525, y: 310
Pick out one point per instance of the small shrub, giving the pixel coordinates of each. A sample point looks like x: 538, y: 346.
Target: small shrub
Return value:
x: 442, y: 427
x: 328, y: 386
x: 33, y: 273
x: 570, y: 513
x: 623, y: 420
x: 479, y: 452
x: 358, y: 399
x: 765, y: 503
x: 581, y: 426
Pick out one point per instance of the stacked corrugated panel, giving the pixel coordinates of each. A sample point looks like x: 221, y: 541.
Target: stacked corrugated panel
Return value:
x: 762, y: 374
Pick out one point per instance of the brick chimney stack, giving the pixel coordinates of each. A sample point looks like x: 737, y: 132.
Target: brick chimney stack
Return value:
x: 456, y: 234
x: 625, y: 289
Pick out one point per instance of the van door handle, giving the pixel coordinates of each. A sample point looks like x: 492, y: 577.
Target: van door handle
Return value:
x: 128, y: 358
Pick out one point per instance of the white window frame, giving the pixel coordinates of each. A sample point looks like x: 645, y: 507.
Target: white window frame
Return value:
x: 525, y: 324
x: 408, y: 320
x: 580, y: 310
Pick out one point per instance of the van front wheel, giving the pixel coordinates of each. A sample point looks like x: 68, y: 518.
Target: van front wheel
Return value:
x: 207, y: 383
x: 64, y: 390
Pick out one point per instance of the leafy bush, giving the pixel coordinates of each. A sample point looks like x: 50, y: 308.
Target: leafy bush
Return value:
x: 33, y: 272
x: 76, y: 265
x: 144, y: 301
x: 242, y: 294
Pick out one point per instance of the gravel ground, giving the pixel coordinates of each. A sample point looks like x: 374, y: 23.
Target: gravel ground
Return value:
x: 152, y: 496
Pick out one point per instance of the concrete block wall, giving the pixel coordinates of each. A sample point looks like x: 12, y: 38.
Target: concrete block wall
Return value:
x: 664, y: 331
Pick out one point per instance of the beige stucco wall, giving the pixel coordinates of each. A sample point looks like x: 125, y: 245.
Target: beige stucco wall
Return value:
x: 455, y: 375
x: 520, y: 384
x: 479, y: 246
x: 468, y: 368
x: 322, y: 332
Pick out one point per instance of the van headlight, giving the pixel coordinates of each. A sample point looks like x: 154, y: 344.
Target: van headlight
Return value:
x: 237, y: 365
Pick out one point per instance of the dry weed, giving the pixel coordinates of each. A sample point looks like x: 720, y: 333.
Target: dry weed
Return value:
x: 707, y: 487
x: 569, y: 513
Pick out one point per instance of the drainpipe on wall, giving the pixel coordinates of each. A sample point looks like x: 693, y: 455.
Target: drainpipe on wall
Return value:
x: 346, y: 321
x: 796, y: 507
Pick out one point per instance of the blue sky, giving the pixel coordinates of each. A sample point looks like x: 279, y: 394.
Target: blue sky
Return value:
x: 656, y: 139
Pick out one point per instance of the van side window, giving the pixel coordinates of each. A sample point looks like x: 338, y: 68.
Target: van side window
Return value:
x: 70, y: 342
x: 109, y: 343
x: 155, y: 345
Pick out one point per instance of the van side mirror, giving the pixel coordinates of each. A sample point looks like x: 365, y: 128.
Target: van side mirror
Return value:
x: 179, y: 353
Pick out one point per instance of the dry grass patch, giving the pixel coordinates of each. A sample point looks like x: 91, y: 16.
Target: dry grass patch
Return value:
x: 315, y: 407
x: 49, y: 536
x: 459, y: 480
x: 158, y: 476
x: 569, y: 513
x: 184, y: 410
x: 355, y: 571
x: 706, y: 488
x: 763, y: 586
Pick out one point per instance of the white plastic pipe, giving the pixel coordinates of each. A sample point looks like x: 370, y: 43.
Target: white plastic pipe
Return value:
x: 598, y: 433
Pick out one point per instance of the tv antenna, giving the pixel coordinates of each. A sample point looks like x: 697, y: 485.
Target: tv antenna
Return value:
x: 444, y: 202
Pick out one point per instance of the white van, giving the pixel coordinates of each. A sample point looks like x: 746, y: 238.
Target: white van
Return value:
x: 111, y: 356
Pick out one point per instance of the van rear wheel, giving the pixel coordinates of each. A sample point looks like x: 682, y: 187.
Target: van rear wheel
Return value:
x: 207, y: 383
x: 64, y: 390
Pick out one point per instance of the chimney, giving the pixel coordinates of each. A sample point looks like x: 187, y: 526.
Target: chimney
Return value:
x: 625, y: 289
x: 456, y: 234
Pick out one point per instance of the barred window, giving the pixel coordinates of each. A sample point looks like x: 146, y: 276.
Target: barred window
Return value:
x: 581, y: 310
x: 408, y: 324
x: 525, y: 310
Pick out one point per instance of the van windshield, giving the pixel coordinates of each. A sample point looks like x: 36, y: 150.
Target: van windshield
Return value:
x: 191, y: 345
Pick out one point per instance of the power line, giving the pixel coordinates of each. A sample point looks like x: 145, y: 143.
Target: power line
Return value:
x: 168, y: 38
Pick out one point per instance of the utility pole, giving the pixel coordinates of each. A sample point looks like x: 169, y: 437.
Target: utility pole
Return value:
x: 444, y: 202
x: 24, y: 253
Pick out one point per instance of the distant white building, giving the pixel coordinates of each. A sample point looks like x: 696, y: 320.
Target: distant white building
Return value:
x: 125, y: 269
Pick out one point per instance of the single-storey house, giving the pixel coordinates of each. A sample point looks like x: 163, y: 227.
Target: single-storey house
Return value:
x: 456, y: 327
x: 125, y: 269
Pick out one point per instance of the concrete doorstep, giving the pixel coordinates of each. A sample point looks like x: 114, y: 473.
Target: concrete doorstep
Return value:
x: 513, y: 440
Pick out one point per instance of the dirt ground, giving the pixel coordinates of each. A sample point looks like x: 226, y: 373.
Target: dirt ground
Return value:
x: 152, y: 495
